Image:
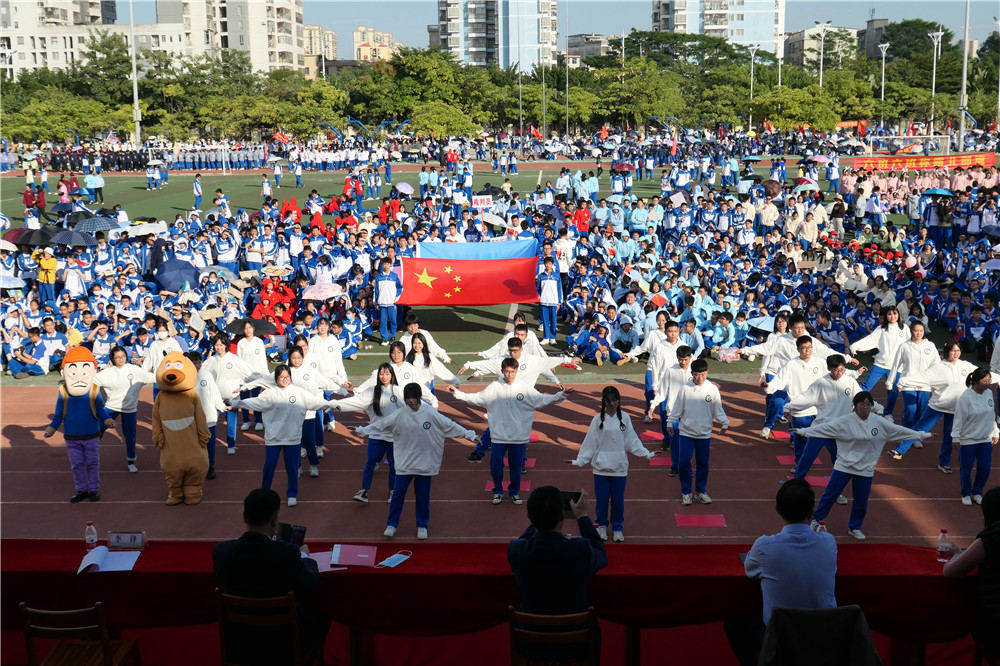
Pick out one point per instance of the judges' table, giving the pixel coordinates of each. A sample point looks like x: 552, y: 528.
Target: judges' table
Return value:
x: 458, y: 588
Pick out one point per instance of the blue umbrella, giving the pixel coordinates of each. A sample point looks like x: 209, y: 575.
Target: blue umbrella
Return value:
x: 73, y: 239
x: 11, y: 282
x: 62, y: 208
x: 549, y: 209
x: 173, y: 273
x: 78, y: 191
x: 615, y: 199
x: 751, y: 158
x: 94, y: 224
x: 939, y: 192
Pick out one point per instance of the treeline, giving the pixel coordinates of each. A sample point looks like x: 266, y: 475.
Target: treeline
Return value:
x: 695, y: 80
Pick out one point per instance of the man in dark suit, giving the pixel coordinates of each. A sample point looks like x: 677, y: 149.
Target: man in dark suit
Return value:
x: 257, y: 566
x: 551, y: 569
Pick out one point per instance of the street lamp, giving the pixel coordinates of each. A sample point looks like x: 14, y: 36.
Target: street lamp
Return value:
x: 753, y: 48
x: 567, y: 70
x: 781, y: 53
x: 998, y: 69
x: 883, y: 48
x: 823, y: 27
x: 963, y: 100
x: 322, y: 60
x: 136, y: 113
x: 936, y: 38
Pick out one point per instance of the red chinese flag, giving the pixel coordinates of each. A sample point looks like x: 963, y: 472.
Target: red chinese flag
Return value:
x: 604, y: 133
x: 535, y: 133
x: 659, y: 300
x: 468, y: 282
x: 278, y: 136
x: 862, y: 128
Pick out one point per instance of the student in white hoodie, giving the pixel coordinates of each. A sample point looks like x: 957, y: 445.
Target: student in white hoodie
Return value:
x: 697, y: 405
x: 212, y: 403
x: 122, y: 383
x: 250, y: 349
x: 913, y: 357
x: 946, y: 382
x: 412, y: 325
x: 418, y: 435
x: 793, y: 379
x: 886, y: 339
x: 329, y: 354
x: 975, y: 433
x: 284, y: 409
x: 160, y: 347
x: 860, y: 436
x: 610, y: 435
x: 427, y: 366
x: 674, y: 379
x: 531, y: 344
x: 510, y: 406
x: 378, y: 402
x: 230, y: 374
x: 405, y: 373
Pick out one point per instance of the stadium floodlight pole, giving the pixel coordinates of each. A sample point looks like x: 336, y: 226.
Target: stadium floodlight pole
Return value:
x: 781, y: 54
x: 520, y: 91
x: 136, y: 113
x: 963, y: 100
x: 998, y: 68
x: 545, y: 132
x: 936, y: 39
x: 753, y: 58
x: 567, y: 70
x: 883, y: 48
x: 823, y: 27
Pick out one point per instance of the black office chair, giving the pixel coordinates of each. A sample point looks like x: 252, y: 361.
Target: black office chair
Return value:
x: 821, y: 637
x: 257, y: 632
x: 571, y: 637
x: 82, y: 638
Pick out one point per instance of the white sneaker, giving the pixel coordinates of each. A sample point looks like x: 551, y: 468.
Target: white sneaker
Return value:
x: 918, y: 445
x: 330, y: 426
x: 967, y: 501
x: 132, y: 469
x: 259, y: 426
x: 602, y: 532
x: 319, y: 451
x: 361, y: 496
x: 857, y: 534
x: 231, y: 451
x: 421, y: 532
x: 704, y: 498
x: 300, y: 472
x: 765, y: 433
x: 814, y: 525
x: 618, y: 536
x: 841, y: 499
x: 497, y: 499
x: 686, y: 499
x: 313, y: 471
x: 978, y: 499
x: 390, y: 531
x: 302, y: 452
x: 245, y: 426
x: 292, y: 501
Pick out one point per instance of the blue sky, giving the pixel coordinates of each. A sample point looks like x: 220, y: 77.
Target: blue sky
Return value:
x: 407, y: 19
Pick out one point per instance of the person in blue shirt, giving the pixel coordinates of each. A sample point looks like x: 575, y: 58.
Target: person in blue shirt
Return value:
x: 387, y: 290
x: 550, y: 293
x: 32, y: 360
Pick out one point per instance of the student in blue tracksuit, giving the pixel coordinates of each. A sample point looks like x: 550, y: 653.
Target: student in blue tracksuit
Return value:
x: 387, y: 290
x: 197, y: 191
x: 550, y: 295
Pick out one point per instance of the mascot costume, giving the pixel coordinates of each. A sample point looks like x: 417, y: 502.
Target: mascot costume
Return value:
x: 80, y: 411
x: 180, y: 430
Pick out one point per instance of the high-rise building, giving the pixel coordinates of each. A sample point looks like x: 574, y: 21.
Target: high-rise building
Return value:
x: 371, y: 44
x: 870, y: 37
x: 320, y: 41
x: 51, y: 33
x: 805, y: 46
x: 586, y: 46
x: 507, y: 33
x: 742, y: 22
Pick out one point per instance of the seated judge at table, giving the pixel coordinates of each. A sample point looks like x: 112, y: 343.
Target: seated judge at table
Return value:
x: 255, y: 565
x: 796, y: 568
x: 551, y: 568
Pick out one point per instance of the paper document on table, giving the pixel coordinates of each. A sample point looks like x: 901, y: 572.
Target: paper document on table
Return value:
x: 101, y: 559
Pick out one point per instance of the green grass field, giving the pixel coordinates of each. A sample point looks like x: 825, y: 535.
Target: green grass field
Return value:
x: 462, y: 331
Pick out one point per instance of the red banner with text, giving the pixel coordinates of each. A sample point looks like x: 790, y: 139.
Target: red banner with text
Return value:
x: 895, y: 162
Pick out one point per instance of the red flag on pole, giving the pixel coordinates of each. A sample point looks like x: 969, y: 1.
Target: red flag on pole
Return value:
x: 949, y: 123
x: 604, y: 133
x: 278, y: 136
x: 535, y: 133
x: 468, y: 281
x: 862, y: 128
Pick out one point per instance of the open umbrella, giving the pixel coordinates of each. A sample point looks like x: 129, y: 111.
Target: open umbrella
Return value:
x: 73, y: 239
x: 623, y: 166
x: 14, y: 235
x: 491, y: 218
x: 62, y: 208
x: 805, y: 160
x: 937, y: 191
x: 805, y: 187
x: 751, y: 158
x: 146, y: 229
x: 260, y: 327
x: 94, y: 224
x: 173, y: 273
x: 678, y: 195
x: 821, y: 159
x: 215, y: 210
x: 991, y: 265
x: 7, y: 245
x: 804, y: 181
x: 762, y: 323
x: 615, y: 199
x: 39, y: 236
x: 274, y: 158
x: 221, y: 271
x: 754, y: 177
x: 396, y: 155
x: 596, y: 152
x: 771, y: 187
x: 79, y: 191
x: 154, y: 162
x: 11, y: 282
x: 322, y: 291
x: 549, y: 209
x: 405, y: 188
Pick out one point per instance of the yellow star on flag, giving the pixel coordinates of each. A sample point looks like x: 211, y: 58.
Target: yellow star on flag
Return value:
x: 458, y: 289
x: 447, y: 269
x: 448, y: 295
x: 424, y: 278
x: 458, y: 278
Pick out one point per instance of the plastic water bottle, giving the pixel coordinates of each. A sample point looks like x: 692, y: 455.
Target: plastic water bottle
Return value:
x: 90, y: 535
x: 822, y: 526
x: 943, y: 547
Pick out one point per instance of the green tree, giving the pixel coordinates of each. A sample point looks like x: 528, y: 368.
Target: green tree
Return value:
x: 788, y: 108
x: 441, y: 120
x: 104, y: 71
x: 642, y: 92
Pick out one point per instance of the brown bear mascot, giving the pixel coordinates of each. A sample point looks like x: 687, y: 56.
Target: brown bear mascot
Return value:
x: 180, y: 430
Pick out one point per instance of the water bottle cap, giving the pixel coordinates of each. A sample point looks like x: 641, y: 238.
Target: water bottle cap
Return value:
x: 944, y: 531
x: 822, y: 522
x: 90, y: 523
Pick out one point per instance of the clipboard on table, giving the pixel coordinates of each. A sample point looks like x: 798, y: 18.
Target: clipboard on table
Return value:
x: 347, y: 555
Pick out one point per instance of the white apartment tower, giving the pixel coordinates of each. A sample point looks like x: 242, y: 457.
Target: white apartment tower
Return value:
x: 501, y: 32
x: 742, y: 22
